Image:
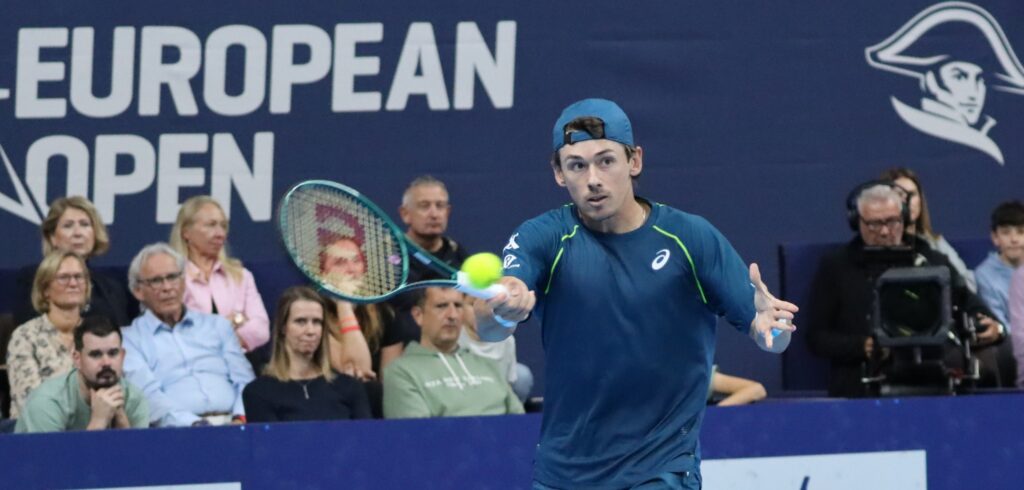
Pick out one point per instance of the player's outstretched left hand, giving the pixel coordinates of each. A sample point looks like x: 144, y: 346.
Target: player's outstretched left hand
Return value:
x: 772, y: 313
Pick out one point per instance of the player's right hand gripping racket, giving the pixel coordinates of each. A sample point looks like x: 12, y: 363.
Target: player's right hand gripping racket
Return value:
x: 350, y: 248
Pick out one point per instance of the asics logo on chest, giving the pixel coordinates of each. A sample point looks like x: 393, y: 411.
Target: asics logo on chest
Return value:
x: 660, y: 259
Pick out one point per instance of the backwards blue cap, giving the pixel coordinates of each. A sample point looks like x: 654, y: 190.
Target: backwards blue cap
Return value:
x: 616, y: 124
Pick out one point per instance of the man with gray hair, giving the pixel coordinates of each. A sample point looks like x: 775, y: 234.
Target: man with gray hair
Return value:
x: 425, y: 211
x: 840, y: 327
x: 188, y: 364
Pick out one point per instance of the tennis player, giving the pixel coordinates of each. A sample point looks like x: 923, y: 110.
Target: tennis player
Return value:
x: 629, y: 293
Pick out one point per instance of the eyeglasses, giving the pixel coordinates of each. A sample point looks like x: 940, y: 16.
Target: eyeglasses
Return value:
x: 878, y: 224
x: 906, y: 194
x: 156, y: 282
x: 66, y: 279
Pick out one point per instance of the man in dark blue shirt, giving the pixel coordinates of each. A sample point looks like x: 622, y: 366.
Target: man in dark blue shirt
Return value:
x: 629, y: 293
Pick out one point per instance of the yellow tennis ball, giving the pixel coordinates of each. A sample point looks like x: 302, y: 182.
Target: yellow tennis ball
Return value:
x: 482, y: 269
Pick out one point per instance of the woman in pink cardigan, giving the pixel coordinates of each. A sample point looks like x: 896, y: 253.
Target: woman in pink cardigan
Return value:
x: 214, y: 282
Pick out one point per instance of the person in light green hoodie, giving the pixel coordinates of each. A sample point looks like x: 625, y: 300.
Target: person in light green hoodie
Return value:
x: 437, y: 378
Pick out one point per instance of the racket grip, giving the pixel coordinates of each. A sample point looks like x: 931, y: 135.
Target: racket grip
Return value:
x: 491, y: 291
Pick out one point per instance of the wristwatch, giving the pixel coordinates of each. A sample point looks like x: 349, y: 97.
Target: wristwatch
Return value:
x: 238, y: 319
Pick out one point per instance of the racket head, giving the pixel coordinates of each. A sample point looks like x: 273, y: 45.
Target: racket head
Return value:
x: 343, y: 242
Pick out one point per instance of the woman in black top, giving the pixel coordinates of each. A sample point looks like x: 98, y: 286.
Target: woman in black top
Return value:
x: 298, y: 383
x: 74, y: 225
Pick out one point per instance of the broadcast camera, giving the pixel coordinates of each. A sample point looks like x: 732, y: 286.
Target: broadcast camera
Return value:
x: 921, y: 348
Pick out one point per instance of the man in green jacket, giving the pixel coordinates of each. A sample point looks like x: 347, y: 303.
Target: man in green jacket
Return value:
x: 437, y: 378
x: 93, y: 395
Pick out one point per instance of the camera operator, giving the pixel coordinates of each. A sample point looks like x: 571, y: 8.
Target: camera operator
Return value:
x: 840, y: 325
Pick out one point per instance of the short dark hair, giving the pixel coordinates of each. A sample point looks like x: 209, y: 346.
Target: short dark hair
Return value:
x: 418, y: 297
x: 99, y: 326
x: 1009, y: 213
x: 595, y: 128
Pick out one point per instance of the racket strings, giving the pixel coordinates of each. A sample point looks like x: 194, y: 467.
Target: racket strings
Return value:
x: 326, y: 227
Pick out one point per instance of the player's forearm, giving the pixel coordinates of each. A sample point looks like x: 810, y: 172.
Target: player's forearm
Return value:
x: 488, y: 327
x: 489, y: 330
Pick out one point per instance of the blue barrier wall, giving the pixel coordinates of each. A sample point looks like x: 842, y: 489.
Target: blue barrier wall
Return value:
x: 759, y: 116
x: 969, y: 442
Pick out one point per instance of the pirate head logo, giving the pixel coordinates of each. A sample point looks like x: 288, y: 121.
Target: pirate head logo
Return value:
x: 953, y: 49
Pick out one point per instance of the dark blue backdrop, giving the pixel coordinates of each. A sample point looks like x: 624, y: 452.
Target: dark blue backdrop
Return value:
x: 759, y: 116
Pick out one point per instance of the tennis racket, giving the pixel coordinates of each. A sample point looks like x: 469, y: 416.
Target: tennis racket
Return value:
x: 350, y: 248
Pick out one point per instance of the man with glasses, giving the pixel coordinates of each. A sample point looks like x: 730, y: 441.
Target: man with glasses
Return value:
x: 93, y: 395
x: 842, y: 295
x: 188, y: 364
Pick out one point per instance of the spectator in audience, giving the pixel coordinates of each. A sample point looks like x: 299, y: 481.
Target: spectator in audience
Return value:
x: 93, y: 395
x: 840, y: 327
x: 1015, y: 303
x: 299, y: 383
x: 504, y: 353
x: 425, y: 211
x: 920, y: 223
x: 437, y: 378
x: 189, y: 364
x: 358, y: 328
x: 363, y: 338
x: 736, y: 390
x: 73, y: 225
x: 215, y: 282
x: 42, y: 347
x: 993, y: 274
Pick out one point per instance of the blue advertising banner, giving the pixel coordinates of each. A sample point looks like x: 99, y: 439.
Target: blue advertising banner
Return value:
x: 896, y: 444
x: 758, y: 116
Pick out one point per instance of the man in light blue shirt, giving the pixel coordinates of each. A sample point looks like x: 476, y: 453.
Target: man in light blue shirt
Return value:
x: 993, y: 274
x: 189, y: 364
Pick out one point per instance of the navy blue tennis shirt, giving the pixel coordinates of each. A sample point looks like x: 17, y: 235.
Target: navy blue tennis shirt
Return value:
x: 628, y: 325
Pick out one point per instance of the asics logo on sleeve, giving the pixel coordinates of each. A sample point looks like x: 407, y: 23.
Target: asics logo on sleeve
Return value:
x: 660, y: 259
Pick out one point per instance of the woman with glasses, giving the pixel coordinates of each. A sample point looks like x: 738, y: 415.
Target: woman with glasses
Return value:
x: 920, y: 224
x: 74, y: 225
x: 41, y: 347
x: 214, y: 281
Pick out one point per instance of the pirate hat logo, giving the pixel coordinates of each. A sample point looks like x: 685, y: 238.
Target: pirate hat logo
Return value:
x: 952, y: 78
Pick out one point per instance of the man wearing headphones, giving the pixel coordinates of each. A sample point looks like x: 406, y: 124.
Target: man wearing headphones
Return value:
x: 840, y: 326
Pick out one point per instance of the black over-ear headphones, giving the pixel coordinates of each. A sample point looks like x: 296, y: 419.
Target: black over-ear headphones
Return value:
x: 853, y: 214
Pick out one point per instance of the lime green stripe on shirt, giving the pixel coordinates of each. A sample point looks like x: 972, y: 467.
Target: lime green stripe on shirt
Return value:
x: 688, y: 258
x: 551, y: 275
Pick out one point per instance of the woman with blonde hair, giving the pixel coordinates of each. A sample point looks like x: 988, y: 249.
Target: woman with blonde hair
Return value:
x: 73, y: 225
x: 215, y: 282
x: 298, y: 383
x: 41, y: 347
